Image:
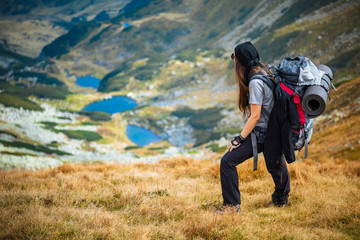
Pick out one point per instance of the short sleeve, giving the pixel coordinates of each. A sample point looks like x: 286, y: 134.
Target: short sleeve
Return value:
x: 256, y: 92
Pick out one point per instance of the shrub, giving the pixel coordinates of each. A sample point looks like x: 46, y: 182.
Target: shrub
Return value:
x: 37, y: 148
x: 82, y: 134
x: 189, y: 55
x: 97, y: 116
x: 18, y: 102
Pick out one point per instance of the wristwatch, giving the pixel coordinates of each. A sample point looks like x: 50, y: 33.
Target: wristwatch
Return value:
x: 239, y: 139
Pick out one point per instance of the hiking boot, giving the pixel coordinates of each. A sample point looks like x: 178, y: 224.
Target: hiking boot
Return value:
x: 229, y: 209
x: 275, y: 204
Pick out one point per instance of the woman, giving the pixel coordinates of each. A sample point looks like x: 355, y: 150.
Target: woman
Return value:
x: 254, y: 96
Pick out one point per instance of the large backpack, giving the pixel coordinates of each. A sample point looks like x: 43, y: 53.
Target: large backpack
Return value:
x: 290, y: 79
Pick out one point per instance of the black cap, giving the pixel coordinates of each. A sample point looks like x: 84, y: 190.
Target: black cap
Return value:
x: 248, y: 56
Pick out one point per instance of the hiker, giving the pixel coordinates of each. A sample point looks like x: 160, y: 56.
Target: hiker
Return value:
x: 255, y: 100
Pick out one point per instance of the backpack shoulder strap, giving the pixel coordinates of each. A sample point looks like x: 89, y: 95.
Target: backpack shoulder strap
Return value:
x: 265, y: 79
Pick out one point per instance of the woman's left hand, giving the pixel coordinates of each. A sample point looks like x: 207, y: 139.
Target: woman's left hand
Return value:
x: 231, y: 147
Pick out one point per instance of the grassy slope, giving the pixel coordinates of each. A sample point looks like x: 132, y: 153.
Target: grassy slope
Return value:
x: 338, y: 130
x: 139, y: 201
x: 177, y: 198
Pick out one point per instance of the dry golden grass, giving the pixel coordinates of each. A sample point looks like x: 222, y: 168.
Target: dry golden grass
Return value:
x: 176, y: 199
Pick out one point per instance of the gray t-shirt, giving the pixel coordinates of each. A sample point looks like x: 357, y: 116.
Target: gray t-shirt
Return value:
x: 261, y: 94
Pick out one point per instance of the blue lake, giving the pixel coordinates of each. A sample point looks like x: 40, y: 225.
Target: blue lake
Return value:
x: 112, y: 105
x: 141, y: 136
x: 88, y: 81
x: 85, y: 81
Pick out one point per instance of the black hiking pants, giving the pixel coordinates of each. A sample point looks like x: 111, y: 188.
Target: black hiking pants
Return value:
x: 280, y: 174
x: 230, y: 180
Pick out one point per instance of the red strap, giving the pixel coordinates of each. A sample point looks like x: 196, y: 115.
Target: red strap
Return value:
x: 296, y: 101
x: 286, y: 89
x: 300, y: 112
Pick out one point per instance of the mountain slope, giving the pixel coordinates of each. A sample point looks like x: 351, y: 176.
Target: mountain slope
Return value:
x: 165, y: 29
x: 27, y: 26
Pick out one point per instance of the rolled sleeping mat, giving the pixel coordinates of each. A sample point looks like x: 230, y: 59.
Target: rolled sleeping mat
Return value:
x: 315, y: 97
x: 327, y: 77
x: 314, y: 101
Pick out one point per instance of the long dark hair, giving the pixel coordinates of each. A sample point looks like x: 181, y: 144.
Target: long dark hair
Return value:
x: 243, y: 100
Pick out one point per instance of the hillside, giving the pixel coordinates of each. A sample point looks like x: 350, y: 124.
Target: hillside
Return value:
x: 27, y: 26
x: 170, y: 57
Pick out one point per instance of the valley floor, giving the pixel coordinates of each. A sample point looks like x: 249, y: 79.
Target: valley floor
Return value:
x: 177, y: 199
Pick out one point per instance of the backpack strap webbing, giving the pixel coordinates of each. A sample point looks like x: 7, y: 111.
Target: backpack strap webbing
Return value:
x: 306, y: 146
x: 255, y: 150
x: 265, y: 79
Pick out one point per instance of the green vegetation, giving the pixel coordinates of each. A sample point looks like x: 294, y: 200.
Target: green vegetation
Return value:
x: 89, y: 123
x: 64, y: 118
x: 19, y: 154
x: 346, y: 63
x: 215, y: 147
x: 203, y: 121
x: 64, y: 43
x: 230, y: 130
x: 49, y: 125
x: 10, y: 100
x: 51, y: 92
x: 82, y: 135
x: 133, y: 7
x: 99, y: 35
x: 9, y: 133
x: 215, y: 52
x: 244, y: 12
x: 120, y: 77
x: 42, y: 78
x: 25, y: 6
x: 136, y: 9
x: 23, y: 60
x: 298, y: 9
x: 97, y: 116
x: 158, y: 148
x: 75, y: 134
x: 53, y: 144
x: 203, y: 136
x: 114, y: 80
x: 41, y: 91
x: 37, y: 148
x: 257, y: 32
x: 132, y: 147
x: 183, y: 112
x: 202, y: 118
x: 272, y: 48
x: 189, y: 55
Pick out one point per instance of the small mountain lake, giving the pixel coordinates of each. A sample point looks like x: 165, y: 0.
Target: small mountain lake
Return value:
x: 88, y: 81
x: 141, y: 136
x: 85, y: 81
x: 113, y: 105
